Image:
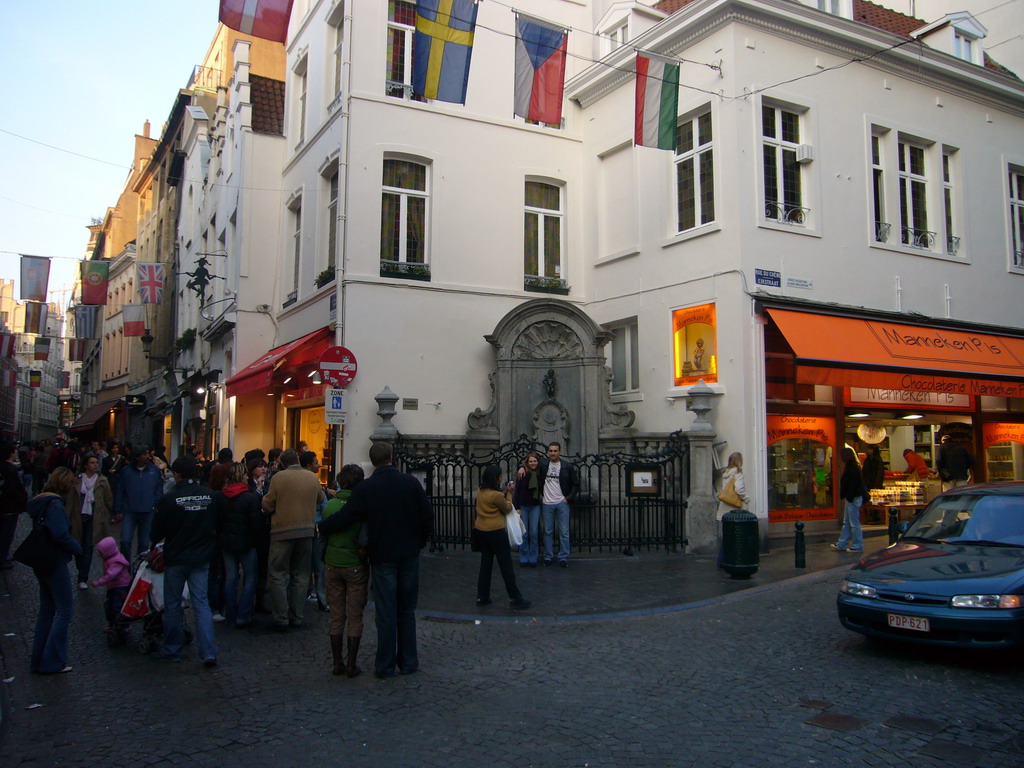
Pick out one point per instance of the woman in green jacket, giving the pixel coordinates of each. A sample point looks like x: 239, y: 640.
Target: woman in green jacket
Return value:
x: 347, y: 577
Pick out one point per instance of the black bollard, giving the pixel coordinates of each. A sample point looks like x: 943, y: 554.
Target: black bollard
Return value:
x: 799, y: 546
x: 894, y: 522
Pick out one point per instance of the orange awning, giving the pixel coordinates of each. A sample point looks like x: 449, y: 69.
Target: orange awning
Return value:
x: 260, y: 373
x: 859, y: 352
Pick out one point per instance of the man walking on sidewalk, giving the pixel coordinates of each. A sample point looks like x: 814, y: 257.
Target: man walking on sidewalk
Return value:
x: 399, y: 520
x: 292, y: 499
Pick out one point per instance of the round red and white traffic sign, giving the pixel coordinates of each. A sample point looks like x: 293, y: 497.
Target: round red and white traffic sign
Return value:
x: 337, y: 366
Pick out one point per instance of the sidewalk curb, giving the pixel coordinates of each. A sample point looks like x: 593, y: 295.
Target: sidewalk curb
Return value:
x: 466, y: 618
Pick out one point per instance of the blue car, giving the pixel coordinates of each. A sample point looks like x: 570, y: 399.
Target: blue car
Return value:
x: 955, y: 578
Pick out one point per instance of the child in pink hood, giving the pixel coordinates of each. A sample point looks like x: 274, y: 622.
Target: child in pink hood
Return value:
x: 117, y: 577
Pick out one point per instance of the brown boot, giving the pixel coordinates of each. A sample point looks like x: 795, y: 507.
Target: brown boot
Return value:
x: 353, y: 651
x: 337, y: 652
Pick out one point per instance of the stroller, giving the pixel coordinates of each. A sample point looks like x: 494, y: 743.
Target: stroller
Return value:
x: 145, y: 604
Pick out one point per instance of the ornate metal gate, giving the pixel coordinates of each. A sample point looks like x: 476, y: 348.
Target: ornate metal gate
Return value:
x: 626, y: 500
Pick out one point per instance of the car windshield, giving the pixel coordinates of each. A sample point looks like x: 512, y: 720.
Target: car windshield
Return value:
x: 992, y: 519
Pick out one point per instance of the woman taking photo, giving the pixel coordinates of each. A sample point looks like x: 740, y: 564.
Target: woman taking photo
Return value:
x: 851, y: 491
x: 50, y: 643
x: 526, y: 497
x: 91, y: 523
x: 492, y: 505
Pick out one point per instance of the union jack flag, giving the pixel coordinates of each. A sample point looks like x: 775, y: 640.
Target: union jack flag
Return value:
x: 151, y: 283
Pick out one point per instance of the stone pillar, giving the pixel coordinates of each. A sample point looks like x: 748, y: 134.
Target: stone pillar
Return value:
x: 702, y: 504
x: 386, y: 432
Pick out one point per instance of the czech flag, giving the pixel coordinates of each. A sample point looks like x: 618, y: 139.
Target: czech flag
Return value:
x: 442, y: 48
x: 657, y: 103
x: 266, y: 19
x: 540, y: 70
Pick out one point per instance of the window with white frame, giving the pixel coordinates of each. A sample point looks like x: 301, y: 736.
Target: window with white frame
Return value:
x: 913, y: 183
x: 624, y: 357
x: 332, y: 218
x: 878, y: 203
x: 401, y: 27
x: 1017, y: 217
x: 949, y: 202
x: 616, y: 36
x: 299, y: 107
x: 836, y: 7
x: 963, y: 45
x: 296, y: 250
x: 403, y: 218
x: 783, y: 158
x: 542, y: 236
x: 695, y: 172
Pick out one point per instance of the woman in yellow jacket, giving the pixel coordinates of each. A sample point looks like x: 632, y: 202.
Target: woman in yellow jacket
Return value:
x: 492, y: 505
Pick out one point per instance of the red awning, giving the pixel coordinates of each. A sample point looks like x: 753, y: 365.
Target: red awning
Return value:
x: 294, y: 354
x: 96, y: 412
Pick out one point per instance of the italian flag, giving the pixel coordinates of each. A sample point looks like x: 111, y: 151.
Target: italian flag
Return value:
x: 657, y: 103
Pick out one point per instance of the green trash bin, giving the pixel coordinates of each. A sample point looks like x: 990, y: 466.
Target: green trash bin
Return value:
x: 740, y: 545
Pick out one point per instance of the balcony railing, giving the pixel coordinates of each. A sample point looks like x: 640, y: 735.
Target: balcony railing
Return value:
x: 204, y: 79
x: 952, y: 245
x: 786, y: 214
x: 918, y: 238
x: 882, y: 230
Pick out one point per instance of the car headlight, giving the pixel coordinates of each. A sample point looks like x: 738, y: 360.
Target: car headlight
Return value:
x: 857, y: 590
x: 986, y: 601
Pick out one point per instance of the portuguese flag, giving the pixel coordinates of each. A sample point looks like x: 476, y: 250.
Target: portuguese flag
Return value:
x: 94, y: 282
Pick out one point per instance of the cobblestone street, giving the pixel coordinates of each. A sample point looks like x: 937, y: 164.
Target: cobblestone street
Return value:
x: 759, y: 678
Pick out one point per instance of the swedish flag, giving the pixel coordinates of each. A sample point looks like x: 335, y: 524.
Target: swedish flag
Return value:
x: 442, y: 48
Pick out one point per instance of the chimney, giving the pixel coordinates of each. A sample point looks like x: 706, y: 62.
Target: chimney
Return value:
x: 145, y: 129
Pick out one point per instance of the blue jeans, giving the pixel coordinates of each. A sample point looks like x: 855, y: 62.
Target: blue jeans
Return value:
x: 238, y: 609
x: 851, y: 535
x: 531, y: 537
x: 135, y: 523
x: 556, y: 514
x: 50, y: 643
x: 395, y: 587
x: 175, y: 577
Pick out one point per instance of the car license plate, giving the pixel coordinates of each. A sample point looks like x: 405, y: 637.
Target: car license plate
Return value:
x: 915, y: 623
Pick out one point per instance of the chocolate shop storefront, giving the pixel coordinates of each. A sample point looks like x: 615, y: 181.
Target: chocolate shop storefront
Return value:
x: 835, y: 378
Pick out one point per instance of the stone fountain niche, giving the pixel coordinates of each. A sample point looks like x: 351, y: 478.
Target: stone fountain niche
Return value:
x: 551, y: 381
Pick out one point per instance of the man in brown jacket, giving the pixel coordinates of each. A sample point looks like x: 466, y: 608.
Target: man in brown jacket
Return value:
x: 291, y: 502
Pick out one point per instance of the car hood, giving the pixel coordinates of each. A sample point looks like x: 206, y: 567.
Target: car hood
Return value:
x: 937, y: 567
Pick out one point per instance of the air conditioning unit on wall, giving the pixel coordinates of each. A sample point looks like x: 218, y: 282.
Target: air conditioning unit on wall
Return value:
x: 804, y: 153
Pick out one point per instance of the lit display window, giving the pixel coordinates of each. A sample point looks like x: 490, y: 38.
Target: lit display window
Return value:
x: 695, y: 345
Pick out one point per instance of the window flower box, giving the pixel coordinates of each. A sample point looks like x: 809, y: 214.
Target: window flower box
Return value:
x: 404, y: 269
x: 538, y: 284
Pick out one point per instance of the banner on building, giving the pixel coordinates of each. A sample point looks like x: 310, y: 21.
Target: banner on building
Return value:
x: 7, y: 345
x: 442, y: 48
x: 540, y: 69
x: 35, y: 378
x: 151, y: 283
x: 133, y: 319
x: 35, y: 277
x: 95, y: 275
x: 35, y: 317
x: 267, y: 19
x: 86, y: 321
x: 76, y: 350
x: 42, y: 348
x: 657, y: 103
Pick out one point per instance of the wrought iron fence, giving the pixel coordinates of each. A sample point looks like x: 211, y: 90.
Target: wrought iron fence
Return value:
x: 626, y: 500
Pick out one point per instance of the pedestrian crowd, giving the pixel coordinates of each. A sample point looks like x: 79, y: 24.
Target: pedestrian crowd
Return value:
x: 261, y: 535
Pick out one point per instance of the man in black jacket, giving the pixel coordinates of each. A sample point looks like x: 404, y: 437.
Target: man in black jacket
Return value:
x: 560, y: 486
x: 186, y: 520
x: 399, y: 520
x: 13, y: 498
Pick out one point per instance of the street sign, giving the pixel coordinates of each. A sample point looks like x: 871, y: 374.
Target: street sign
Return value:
x: 334, y: 406
x: 337, y: 366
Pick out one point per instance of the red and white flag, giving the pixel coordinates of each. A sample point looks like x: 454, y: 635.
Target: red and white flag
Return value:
x: 151, y: 283
x: 76, y: 350
x: 133, y: 319
x: 260, y: 18
x: 6, y: 345
x: 10, y: 377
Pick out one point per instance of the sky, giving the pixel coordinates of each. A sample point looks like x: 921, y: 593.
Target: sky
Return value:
x: 82, y: 77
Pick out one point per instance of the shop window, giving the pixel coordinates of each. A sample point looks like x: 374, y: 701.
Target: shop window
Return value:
x: 800, y: 468
x: 695, y: 345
